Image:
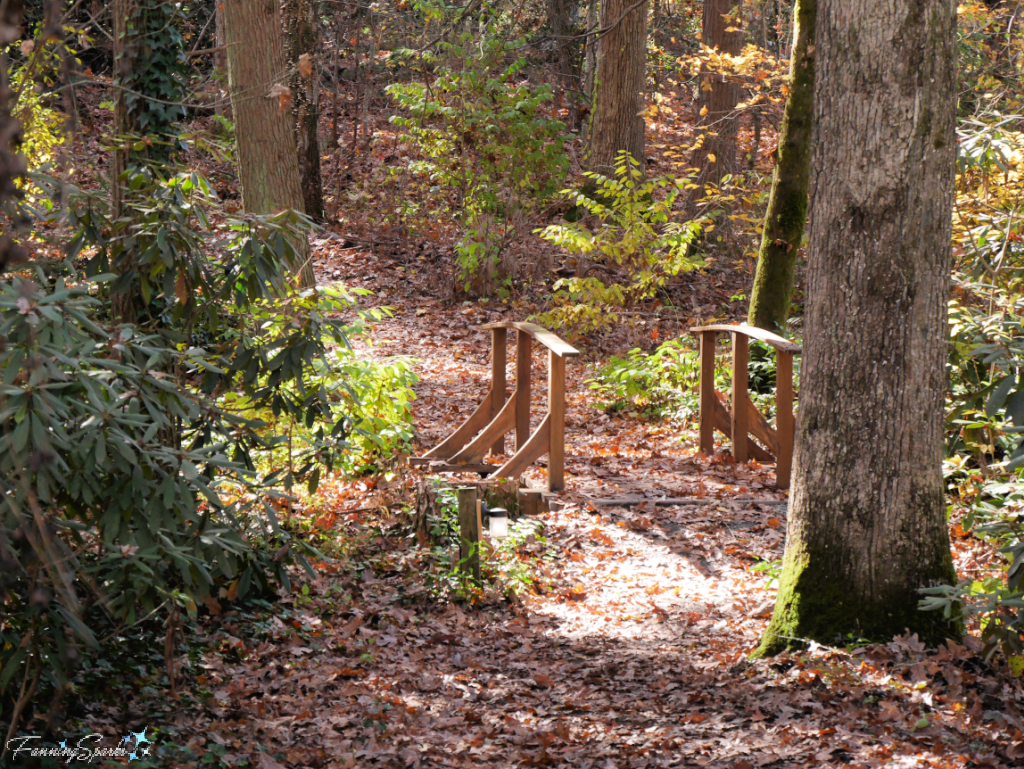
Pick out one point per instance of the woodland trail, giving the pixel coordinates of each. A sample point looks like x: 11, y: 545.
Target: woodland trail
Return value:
x: 630, y: 651
x: 635, y: 655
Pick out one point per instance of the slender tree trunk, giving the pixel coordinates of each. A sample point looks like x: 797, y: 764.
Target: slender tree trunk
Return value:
x: 616, y: 122
x: 867, y: 524
x: 303, y: 38
x: 124, y: 300
x: 268, y: 167
x: 12, y: 163
x: 122, y: 11
x: 560, y: 13
x: 787, y: 206
x: 220, y: 59
x: 590, y: 57
x: 719, y: 96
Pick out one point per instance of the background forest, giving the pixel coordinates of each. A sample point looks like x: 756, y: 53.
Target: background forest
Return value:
x: 245, y: 253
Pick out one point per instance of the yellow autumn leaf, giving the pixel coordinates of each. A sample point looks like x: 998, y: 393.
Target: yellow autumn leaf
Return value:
x: 711, y: 157
x: 703, y: 111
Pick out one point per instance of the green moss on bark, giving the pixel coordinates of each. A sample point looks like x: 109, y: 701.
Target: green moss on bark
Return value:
x: 817, y: 602
x: 787, y: 205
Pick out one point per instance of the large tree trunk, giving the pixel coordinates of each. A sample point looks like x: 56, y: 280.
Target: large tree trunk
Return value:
x: 268, y: 167
x: 719, y: 96
x: 12, y: 164
x: 616, y: 122
x: 303, y: 38
x: 787, y: 206
x: 867, y: 524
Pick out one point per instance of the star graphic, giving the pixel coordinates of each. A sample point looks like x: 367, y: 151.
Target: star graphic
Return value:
x: 140, y: 737
x: 64, y: 745
x: 133, y: 757
x: 126, y: 740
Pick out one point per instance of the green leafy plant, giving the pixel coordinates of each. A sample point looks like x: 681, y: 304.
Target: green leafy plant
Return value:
x: 629, y: 229
x: 132, y: 452
x: 489, y: 157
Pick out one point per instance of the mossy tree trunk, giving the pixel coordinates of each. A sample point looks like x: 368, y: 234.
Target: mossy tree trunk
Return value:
x: 867, y: 525
x: 787, y: 205
x: 268, y: 166
x: 716, y: 156
x: 616, y: 121
x: 303, y: 39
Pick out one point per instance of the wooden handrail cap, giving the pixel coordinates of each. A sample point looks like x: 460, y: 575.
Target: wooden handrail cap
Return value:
x: 779, y: 343
x: 553, y: 342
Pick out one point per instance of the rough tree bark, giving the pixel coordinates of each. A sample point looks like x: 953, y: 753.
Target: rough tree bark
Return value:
x: 268, y: 166
x: 867, y: 523
x: 787, y: 205
x: 303, y: 38
x: 718, y: 95
x: 12, y: 163
x: 220, y: 59
x: 560, y: 15
x: 616, y: 121
x: 590, y: 55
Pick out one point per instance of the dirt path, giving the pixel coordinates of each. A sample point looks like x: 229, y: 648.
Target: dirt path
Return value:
x: 637, y: 655
x: 632, y: 653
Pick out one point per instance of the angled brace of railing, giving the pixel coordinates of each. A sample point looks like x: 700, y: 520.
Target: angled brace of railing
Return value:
x: 464, y: 449
x: 742, y: 418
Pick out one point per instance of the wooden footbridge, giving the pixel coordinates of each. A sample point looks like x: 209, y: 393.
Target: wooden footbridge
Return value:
x: 499, y: 414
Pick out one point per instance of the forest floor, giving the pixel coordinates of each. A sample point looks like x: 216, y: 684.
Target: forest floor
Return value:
x: 631, y: 649
x: 631, y: 652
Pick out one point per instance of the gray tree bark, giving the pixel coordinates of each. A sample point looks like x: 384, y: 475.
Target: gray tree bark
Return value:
x: 268, y: 166
x: 867, y: 523
x: 303, y: 38
x: 616, y: 122
x: 719, y: 96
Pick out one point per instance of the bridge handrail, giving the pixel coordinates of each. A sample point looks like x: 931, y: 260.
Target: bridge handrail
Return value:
x: 541, y: 335
x: 776, y: 341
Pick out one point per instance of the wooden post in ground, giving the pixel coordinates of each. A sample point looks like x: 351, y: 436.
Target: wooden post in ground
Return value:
x: 784, y: 417
x: 469, y: 532
x: 524, y: 367
x: 739, y: 397
x: 707, y: 392
x: 556, y: 408
x: 498, y: 341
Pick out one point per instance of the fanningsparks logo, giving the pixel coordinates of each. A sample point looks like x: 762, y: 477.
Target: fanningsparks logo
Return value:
x: 135, y: 746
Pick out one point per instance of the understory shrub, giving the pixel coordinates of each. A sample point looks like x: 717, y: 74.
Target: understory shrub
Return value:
x: 628, y: 234
x: 137, y: 467
x: 488, y: 156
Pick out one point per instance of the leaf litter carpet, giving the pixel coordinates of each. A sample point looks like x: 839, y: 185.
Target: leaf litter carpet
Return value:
x: 632, y: 655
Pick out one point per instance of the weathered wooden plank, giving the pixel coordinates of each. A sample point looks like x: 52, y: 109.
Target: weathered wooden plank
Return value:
x: 760, y: 429
x: 476, y: 422
x: 524, y: 371
x: 723, y: 423
x: 556, y: 414
x: 707, y: 392
x: 776, y: 341
x: 739, y: 397
x: 784, y: 418
x: 498, y: 387
x: 534, y: 448
x: 552, y: 341
x: 501, y: 424
x: 469, y: 532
